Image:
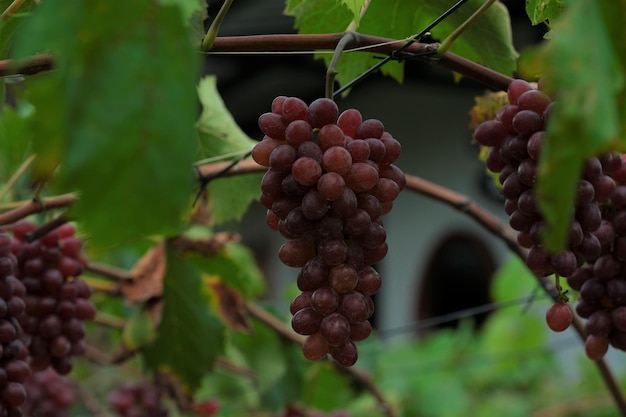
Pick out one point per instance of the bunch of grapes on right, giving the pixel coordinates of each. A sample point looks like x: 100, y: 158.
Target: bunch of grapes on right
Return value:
x: 594, y: 261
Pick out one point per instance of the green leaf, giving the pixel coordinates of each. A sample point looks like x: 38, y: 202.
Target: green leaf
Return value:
x: 399, y: 19
x: 9, y: 26
x: 190, y: 337
x: 585, y: 119
x: 187, y: 7
x: 540, y: 11
x: 221, y: 137
x: 355, y: 7
x: 264, y: 354
x: 235, y: 265
x: 229, y: 198
x: 325, y: 388
x: 512, y: 280
x: 118, y: 113
x: 218, y: 132
x: 138, y: 331
x: 15, y: 141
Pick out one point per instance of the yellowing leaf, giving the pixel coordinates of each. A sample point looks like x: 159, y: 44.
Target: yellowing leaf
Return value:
x: 230, y: 304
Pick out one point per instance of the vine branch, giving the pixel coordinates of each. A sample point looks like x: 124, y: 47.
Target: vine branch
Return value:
x: 304, y: 42
x: 25, y: 209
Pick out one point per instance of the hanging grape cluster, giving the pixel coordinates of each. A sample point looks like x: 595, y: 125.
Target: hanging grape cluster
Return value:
x: 49, y: 395
x: 43, y: 304
x: 141, y: 399
x: 595, y: 260
x: 57, y: 300
x: 13, y: 368
x: 331, y: 178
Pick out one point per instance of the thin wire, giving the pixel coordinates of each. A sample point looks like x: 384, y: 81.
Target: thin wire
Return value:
x: 221, y: 157
x: 311, y: 52
x: 460, y: 314
x: 411, y: 41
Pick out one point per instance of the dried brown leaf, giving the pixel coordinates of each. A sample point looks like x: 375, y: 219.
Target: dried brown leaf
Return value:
x: 146, y: 276
x: 231, y: 305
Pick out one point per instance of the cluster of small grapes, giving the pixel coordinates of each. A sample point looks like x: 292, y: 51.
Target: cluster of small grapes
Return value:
x: 515, y: 139
x: 294, y: 410
x: 596, y: 250
x: 138, y: 400
x: 601, y: 283
x: 13, y: 368
x: 331, y: 178
x: 56, y: 300
x: 49, y: 395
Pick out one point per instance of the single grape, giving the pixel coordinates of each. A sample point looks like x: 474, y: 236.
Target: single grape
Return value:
x: 596, y: 347
x: 335, y: 328
x: 329, y: 136
x: 370, y: 128
x: 559, y: 317
x: 322, y: 111
x: 298, y: 132
x: 315, y: 347
x: 346, y: 354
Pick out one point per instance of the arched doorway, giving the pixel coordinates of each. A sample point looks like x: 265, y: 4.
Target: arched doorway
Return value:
x: 457, y: 276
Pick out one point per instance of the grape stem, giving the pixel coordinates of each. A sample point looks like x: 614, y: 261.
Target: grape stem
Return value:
x: 348, y: 39
x: 20, y: 210
x: 46, y: 228
x: 447, y: 42
x: 211, y: 34
x: 16, y: 175
x: 12, y: 8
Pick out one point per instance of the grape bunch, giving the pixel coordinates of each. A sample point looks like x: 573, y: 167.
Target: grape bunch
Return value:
x: 49, y: 395
x: 13, y: 369
x: 592, y: 262
x: 56, y: 300
x: 515, y: 139
x: 330, y: 180
x: 601, y: 283
x: 141, y: 399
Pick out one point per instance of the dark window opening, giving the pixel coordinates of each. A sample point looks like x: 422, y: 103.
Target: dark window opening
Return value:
x: 457, y: 277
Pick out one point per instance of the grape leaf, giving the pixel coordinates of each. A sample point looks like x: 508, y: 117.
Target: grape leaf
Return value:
x: 235, y: 265
x: 327, y: 389
x: 138, y: 331
x: 399, y: 19
x: 219, y: 135
x: 187, y: 7
x: 117, y: 114
x: 540, y: 11
x: 585, y: 118
x: 229, y: 198
x: 263, y: 352
x: 355, y: 7
x: 230, y: 304
x: 15, y: 141
x: 218, y: 132
x: 9, y: 26
x: 190, y: 336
